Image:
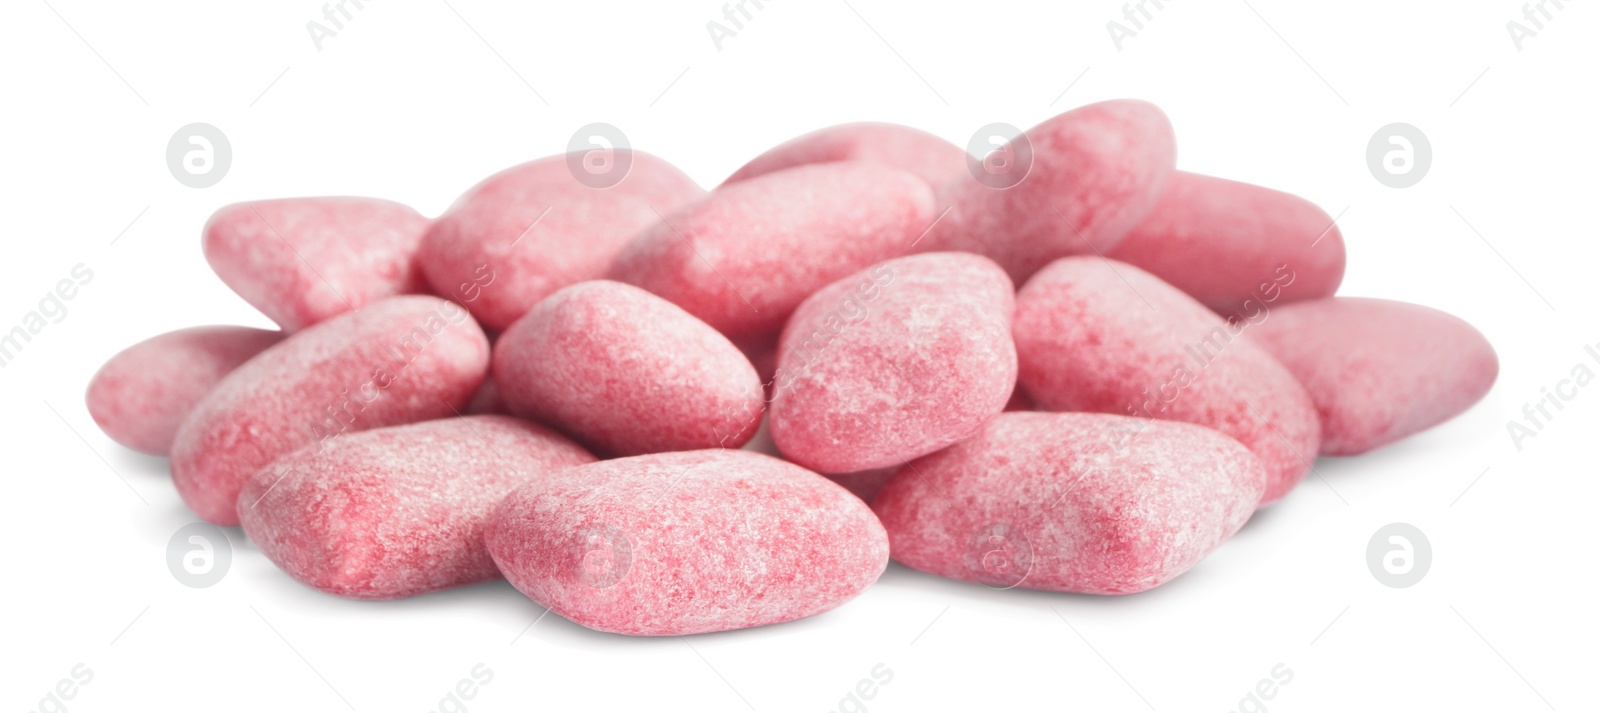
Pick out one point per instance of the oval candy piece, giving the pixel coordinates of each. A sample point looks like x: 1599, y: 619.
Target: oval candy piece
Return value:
x: 627, y: 373
x: 1379, y: 370
x: 396, y: 361
x: 303, y: 260
x: 686, y: 543
x: 141, y: 395
x: 744, y: 258
x: 1236, y: 248
x: 894, y: 362
x: 1071, y: 502
x: 929, y: 157
x: 532, y: 229
x: 399, y: 511
x: 1098, y: 335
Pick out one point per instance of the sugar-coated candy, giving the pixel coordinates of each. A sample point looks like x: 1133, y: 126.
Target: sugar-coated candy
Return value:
x: 399, y: 360
x: 141, y: 395
x: 932, y: 158
x: 399, y: 511
x: 1098, y: 335
x: 1379, y: 370
x: 534, y: 228
x: 1071, y: 502
x: 303, y: 260
x: 626, y: 373
x: 688, y: 542
x: 894, y: 362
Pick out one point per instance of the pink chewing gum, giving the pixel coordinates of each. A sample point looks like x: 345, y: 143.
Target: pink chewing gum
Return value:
x: 627, y: 373
x: 1235, y: 247
x: 303, y: 260
x: 1071, y: 502
x: 1379, y: 370
x: 396, y: 512
x: 1077, y: 184
x: 744, y: 258
x: 142, y: 394
x: 894, y: 362
x: 687, y: 543
x: 1098, y: 335
x: 533, y: 229
x: 399, y: 360
x: 913, y: 150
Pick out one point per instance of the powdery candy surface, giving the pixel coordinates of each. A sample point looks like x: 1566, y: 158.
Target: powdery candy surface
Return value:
x: 687, y: 543
x: 303, y: 260
x: 1097, y: 335
x: 1379, y: 370
x: 533, y: 229
x: 744, y: 258
x: 141, y: 395
x: 400, y: 511
x: 1094, y: 173
x: 397, y: 361
x: 627, y: 373
x: 1071, y: 502
x: 1235, y: 247
x: 894, y: 362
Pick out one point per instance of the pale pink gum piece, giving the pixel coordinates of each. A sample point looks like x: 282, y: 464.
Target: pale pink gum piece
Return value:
x: 1379, y: 370
x: 400, y: 511
x: 894, y: 362
x: 1235, y: 247
x: 142, y: 394
x: 532, y: 229
x: 1096, y: 172
x: 905, y: 148
x: 627, y: 373
x: 1099, y: 335
x: 1071, y: 502
x: 686, y: 543
x: 395, y: 361
x: 744, y: 258
x: 303, y: 260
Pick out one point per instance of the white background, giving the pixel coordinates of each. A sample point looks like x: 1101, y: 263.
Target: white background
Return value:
x: 415, y: 100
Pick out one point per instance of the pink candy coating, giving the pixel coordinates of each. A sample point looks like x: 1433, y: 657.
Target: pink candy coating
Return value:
x: 1379, y: 370
x: 930, y: 157
x: 303, y: 260
x: 1071, y: 502
x: 627, y: 372
x: 686, y: 543
x: 894, y: 362
x: 744, y: 258
x: 399, y: 360
x: 1235, y: 247
x: 396, y: 512
x: 141, y: 395
x: 533, y: 229
x: 1098, y: 335
x: 1095, y: 172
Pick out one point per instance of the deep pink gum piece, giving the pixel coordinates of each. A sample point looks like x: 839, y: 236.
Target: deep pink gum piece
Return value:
x: 687, y: 543
x: 484, y: 254
x: 1379, y: 370
x: 418, y: 358
x: 894, y: 362
x: 1071, y: 502
x: 1096, y: 172
x: 744, y: 258
x: 1236, y: 247
x: 627, y: 373
x: 141, y: 395
x: 905, y: 148
x: 400, y: 511
x: 1087, y: 341
x: 303, y: 260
